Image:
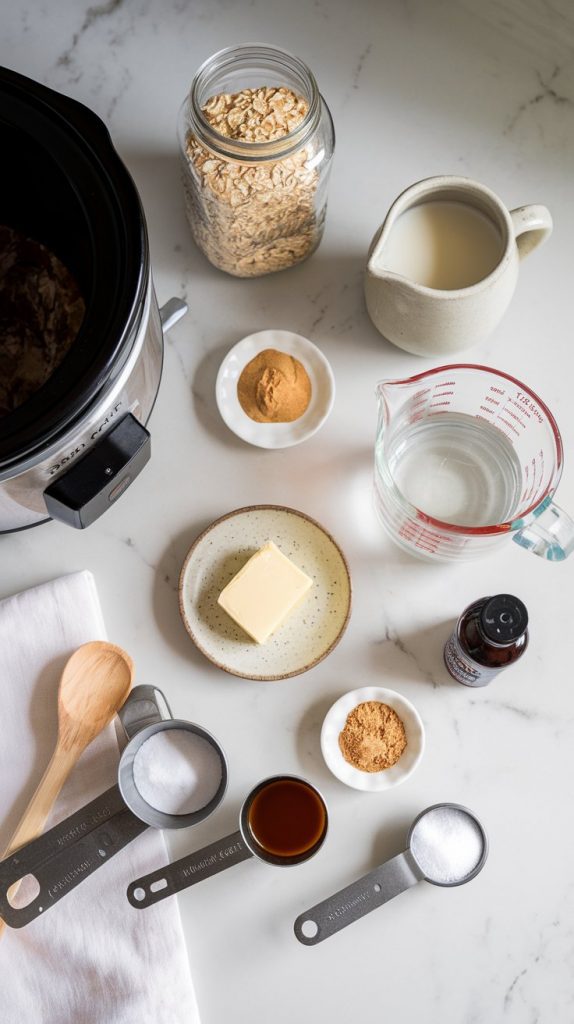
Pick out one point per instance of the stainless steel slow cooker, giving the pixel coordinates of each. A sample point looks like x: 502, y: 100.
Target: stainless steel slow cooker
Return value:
x: 73, y: 448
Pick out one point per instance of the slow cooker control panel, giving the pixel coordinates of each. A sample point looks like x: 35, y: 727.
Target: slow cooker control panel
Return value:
x: 96, y: 481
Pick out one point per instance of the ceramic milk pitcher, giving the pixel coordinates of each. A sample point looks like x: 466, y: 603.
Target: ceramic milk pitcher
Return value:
x: 443, y: 266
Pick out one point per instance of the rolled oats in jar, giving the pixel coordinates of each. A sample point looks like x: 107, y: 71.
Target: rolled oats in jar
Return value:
x: 256, y: 141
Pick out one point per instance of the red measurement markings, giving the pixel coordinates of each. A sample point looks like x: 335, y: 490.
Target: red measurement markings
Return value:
x: 420, y: 537
x: 509, y: 425
x: 494, y: 401
x: 533, y: 478
x: 442, y: 394
x: 435, y: 405
x: 419, y: 399
x: 517, y: 418
x: 530, y: 481
x: 486, y: 409
x: 524, y: 411
x: 497, y: 391
x: 541, y: 468
x: 524, y: 400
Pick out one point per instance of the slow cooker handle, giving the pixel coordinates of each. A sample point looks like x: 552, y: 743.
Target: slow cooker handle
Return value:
x: 171, y: 312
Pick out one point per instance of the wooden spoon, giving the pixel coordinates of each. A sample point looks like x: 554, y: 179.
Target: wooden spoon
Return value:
x: 96, y: 681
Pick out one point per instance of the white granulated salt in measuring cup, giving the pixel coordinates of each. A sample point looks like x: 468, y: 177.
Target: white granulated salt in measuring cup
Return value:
x: 177, y: 771
x: 447, y: 844
x: 173, y: 773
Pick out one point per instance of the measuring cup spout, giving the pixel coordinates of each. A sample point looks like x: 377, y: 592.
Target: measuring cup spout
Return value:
x: 390, y: 396
x: 393, y: 391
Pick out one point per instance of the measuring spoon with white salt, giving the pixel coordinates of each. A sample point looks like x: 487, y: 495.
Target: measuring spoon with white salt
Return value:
x: 447, y: 845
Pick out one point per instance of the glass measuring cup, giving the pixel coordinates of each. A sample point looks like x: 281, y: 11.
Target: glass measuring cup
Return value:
x: 466, y: 455
x: 73, y: 849
x: 446, y: 845
x: 246, y: 842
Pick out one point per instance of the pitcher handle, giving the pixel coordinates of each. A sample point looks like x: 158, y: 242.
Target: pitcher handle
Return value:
x: 532, y: 226
x: 550, y: 534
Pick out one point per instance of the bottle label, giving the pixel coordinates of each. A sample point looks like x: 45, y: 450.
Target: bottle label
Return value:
x: 464, y: 669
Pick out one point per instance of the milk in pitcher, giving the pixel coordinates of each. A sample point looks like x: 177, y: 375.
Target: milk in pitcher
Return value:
x: 442, y: 244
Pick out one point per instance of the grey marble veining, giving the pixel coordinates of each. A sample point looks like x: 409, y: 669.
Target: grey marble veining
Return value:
x: 476, y: 87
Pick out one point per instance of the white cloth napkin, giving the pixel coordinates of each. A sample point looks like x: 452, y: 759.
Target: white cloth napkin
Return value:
x: 93, y: 959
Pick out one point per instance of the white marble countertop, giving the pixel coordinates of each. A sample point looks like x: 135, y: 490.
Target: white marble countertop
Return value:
x: 415, y: 88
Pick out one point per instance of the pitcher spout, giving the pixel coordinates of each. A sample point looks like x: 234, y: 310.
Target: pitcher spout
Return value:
x: 376, y: 258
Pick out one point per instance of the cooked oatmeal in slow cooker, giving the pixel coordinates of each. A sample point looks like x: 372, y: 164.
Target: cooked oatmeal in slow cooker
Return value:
x: 41, y: 312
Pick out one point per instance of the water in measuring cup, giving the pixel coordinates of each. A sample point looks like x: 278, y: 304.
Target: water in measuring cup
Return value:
x: 456, y: 468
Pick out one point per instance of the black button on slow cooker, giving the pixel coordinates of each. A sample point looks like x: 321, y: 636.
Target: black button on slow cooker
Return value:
x: 80, y: 495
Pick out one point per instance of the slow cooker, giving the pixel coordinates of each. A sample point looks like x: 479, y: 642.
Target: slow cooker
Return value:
x: 73, y: 448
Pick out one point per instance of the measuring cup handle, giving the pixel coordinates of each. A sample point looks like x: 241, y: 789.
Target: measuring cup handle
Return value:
x: 145, y: 706
x: 532, y: 226
x: 204, y: 863
x: 550, y: 534
x: 357, y: 899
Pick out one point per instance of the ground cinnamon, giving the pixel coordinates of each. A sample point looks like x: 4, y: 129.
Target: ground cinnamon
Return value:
x: 274, y: 387
x: 373, y: 737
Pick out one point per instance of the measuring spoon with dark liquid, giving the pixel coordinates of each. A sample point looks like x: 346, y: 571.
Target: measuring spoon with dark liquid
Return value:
x: 283, y: 821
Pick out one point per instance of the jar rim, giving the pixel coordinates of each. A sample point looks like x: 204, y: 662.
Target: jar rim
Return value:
x: 239, y: 149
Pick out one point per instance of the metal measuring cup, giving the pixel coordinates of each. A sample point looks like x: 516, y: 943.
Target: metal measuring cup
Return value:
x: 222, y: 854
x: 145, y: 713
x: 420, y: 861
x: 73, y: 849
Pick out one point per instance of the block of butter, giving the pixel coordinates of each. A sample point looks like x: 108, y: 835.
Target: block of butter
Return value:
x: 264, y: 592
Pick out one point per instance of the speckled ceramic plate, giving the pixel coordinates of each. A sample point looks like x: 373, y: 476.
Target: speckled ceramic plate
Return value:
x: 310, y: 632
x: 275, y: 435
x: 372, y: 781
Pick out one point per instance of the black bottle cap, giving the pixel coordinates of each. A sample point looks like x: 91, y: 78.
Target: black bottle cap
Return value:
x: 503, y: 619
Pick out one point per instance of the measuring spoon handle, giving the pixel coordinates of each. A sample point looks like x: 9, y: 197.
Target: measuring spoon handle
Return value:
x: 204, y: 863
x: 67, y: 854
x: 357, y: 899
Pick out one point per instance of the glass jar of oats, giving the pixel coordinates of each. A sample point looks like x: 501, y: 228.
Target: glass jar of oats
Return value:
x: 256, y: 141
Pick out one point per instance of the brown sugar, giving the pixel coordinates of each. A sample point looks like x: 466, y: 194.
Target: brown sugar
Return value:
x: 373, y: 737
x: 274, y: 388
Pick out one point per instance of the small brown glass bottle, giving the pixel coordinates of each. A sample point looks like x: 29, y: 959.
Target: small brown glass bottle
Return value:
x: 490, y: 634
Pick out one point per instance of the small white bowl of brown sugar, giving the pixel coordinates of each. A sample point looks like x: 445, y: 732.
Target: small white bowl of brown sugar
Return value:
x: 372, y: 739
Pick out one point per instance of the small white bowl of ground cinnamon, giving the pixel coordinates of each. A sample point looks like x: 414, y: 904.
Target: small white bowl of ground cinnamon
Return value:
x: 275, y: 389
x: 372, y: 739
